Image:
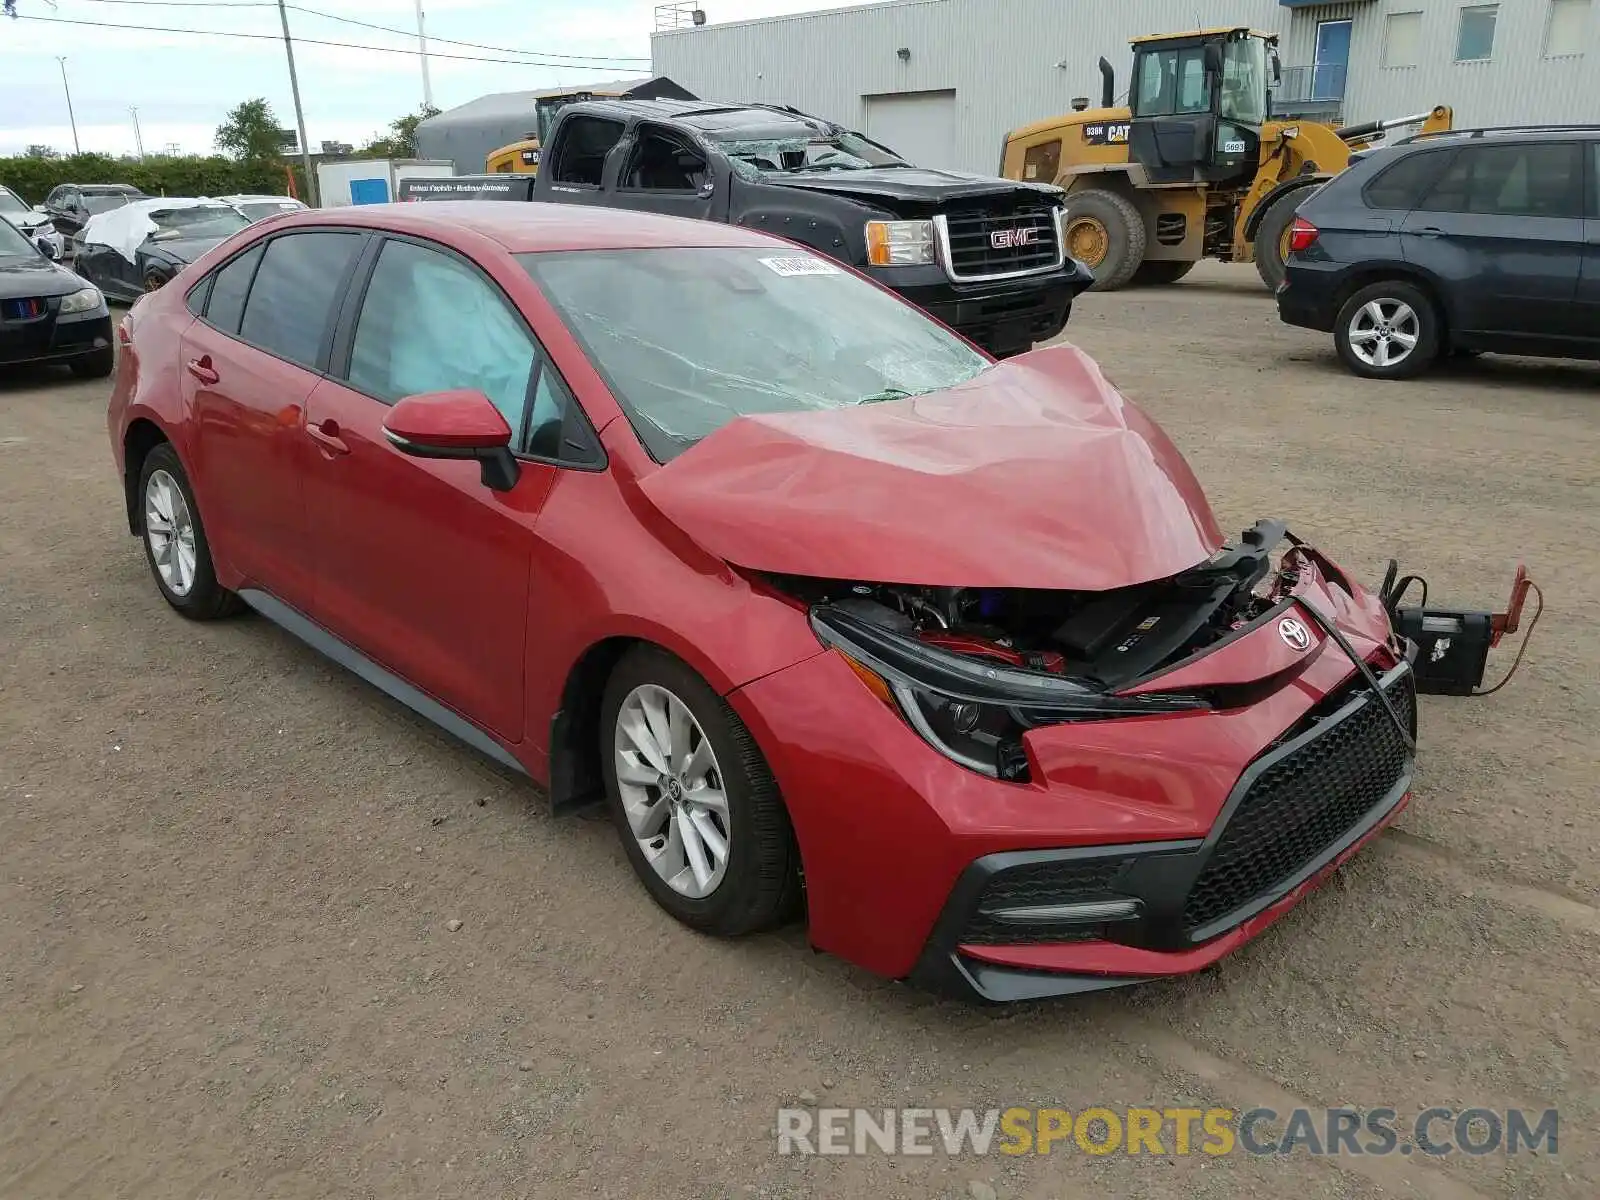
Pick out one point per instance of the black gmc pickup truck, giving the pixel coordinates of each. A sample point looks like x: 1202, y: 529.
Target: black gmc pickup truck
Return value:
x: 983, y: 255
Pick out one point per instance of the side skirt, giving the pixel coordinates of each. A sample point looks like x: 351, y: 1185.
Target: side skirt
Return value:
x: 351, y: 659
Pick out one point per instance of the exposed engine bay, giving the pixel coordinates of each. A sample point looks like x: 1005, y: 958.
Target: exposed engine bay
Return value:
x: 972, y: 669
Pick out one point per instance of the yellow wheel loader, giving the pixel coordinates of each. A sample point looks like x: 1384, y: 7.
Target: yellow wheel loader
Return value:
x: 1194, y: 167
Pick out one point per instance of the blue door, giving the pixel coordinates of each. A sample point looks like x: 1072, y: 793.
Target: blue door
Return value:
x: 1331, y: 59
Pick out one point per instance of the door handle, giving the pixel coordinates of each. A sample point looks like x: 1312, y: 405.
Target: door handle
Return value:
x: 202, y: 370
x: 326, y: 435
x: 1429, y: 231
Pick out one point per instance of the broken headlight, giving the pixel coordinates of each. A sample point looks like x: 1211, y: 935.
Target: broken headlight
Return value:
x: 973, y: 711
x: 899, y: 243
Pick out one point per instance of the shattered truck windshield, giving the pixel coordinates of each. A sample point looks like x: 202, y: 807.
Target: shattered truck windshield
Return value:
x: 838, y: 150
x: 688, y: 339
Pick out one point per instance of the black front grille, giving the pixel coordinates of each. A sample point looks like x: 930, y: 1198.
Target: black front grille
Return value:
x: 1035, y: 884
x: 1302, y: 804
x: 998, y: 241
x: 23, y: 308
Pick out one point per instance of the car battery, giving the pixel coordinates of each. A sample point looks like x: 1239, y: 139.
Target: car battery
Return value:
x: 1452, y: 648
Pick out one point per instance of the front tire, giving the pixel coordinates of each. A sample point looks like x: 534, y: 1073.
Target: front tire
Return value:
x: 1388, y: 330
x: 696, y: 807
x: 1105, y: 232
x: 175, y: 541
x: 97, y: 364
x: 154, y: 281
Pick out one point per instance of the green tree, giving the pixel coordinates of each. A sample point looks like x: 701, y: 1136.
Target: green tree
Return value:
x: 249, y: 133
x: 401, y: 139
x: 39, y: 150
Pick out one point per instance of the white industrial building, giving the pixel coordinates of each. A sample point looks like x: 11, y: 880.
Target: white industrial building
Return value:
x: 942, y: 81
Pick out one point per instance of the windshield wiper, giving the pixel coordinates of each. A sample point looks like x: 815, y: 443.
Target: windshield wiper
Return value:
x: 891, y: 393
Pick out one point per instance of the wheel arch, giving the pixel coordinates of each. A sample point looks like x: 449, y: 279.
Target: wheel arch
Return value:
x: 1402, y: 272
x: 142, y: 436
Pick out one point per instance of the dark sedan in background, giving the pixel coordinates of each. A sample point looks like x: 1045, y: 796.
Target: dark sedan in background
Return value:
x: 112, y: 254
x: 72, y: 205
x: 49, y: 314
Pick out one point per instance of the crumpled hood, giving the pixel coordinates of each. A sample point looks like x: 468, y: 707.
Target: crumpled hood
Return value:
x: 181, y: 251
x: 1035, y: 474
x: 910, y: 183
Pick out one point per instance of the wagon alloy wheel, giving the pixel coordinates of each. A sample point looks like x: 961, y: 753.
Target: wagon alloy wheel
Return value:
x: 1383, y: 332
x: 1389, y: 330
x: 169, y: 530
x: 672, y: 791
x: 153, y: 282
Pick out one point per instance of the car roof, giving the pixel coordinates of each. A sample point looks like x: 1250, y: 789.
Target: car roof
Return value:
x: 107, y: 189
x: 532, y: 227
x: 1502, y: 133
x: 760, y: 122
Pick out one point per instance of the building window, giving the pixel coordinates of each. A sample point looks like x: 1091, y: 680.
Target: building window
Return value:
x: 1402, y: 40
x: 1475, y: 37
x: 1569, y: 28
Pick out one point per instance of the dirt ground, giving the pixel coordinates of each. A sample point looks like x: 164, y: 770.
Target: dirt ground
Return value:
x: 227, y: 869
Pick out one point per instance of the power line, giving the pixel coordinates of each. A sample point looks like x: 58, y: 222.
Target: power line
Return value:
x: 314, y: 12
x: 432, y: 37
x: 268, y: 37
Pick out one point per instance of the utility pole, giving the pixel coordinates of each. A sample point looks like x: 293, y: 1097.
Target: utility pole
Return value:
x: 66, y: 87
x: 422, y: 52
x: 138, y: 138
x: 299, y: 113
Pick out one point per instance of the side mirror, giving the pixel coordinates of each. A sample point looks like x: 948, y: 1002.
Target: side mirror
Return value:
x: 460, y: 424
x: 47, y: 246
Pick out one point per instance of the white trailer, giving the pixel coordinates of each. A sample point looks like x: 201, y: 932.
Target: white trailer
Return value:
x: 373, y: 180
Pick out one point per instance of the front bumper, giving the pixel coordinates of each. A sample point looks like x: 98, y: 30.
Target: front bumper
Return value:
x: 1004, y: 316
x: 49, y: 337
x: 1031, y: 924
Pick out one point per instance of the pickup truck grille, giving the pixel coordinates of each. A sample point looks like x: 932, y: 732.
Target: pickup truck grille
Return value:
x: 1000, y: 242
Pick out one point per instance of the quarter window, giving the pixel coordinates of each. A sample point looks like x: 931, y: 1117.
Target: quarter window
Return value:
x: 430, y: 323
x: 291, y: 302
x: 1537, y: 179
x: 228, y: 290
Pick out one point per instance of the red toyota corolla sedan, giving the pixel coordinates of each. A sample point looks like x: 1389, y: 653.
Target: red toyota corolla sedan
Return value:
x: 835, y: 613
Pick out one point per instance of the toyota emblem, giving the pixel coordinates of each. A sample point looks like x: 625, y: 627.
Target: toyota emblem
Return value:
x: 1294, y: 633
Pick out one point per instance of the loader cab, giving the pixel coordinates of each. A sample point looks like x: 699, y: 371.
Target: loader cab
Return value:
x: 1198, y: 102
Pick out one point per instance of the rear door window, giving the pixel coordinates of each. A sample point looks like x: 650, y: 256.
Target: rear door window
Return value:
x: 1534, y: 179
x: 228, y: 290
x: 1402, y: 184
x: 290, y: 306
x: 580, y: 154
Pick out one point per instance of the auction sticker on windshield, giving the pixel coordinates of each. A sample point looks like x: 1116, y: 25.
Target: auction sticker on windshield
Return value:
x: 800, y: 264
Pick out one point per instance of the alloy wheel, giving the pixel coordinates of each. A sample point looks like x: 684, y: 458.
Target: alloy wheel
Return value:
x: 1384, y: 332
x: 169, y: 531
x: 672, y: 791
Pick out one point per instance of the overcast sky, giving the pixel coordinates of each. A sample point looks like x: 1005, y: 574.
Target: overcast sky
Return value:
x: 183, y: 84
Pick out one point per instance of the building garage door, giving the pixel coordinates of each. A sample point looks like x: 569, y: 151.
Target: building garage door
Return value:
x: 918, y: 126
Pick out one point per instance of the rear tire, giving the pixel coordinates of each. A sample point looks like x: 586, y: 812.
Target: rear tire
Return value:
x: 1161, y: 272
x: 1105, y: 232
x: 756, y: 883
x: 97, y: 364
x: 175, y: 540
x: 1272, y: 237
x: 1388, y: 330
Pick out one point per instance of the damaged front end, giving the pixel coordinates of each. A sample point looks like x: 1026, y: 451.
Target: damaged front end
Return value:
x: 972, y: 670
